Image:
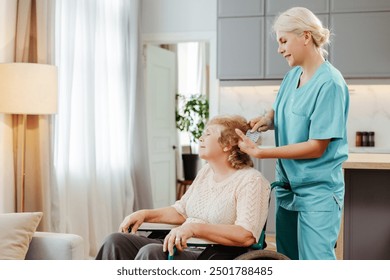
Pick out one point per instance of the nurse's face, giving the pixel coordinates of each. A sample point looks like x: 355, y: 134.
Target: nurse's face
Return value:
x: 209, y: 147
x: 291, y: 47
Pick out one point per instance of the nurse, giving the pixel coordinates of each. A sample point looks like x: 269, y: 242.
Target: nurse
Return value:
x: 309, y: 117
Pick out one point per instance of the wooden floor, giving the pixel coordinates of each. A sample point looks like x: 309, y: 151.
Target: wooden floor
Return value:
x: 271, y: 244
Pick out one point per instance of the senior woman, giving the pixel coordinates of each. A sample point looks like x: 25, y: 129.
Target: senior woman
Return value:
x: 227, y: 203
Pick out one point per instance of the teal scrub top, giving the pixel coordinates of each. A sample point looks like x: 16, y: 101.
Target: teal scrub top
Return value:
x: 317, y: 110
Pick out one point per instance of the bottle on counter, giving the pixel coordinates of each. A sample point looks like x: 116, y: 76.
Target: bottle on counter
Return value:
x: 358, y: 139
x: 371, y: 138
x: 364, y: 139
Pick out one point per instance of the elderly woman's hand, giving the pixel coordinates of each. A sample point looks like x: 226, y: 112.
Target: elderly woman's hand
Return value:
x: 178, y: 237
x: 132, y: 221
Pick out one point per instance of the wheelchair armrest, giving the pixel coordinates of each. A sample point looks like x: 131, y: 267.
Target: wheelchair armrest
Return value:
x: 193, y: 241
x: 155, y: 230
x: 156, y: 226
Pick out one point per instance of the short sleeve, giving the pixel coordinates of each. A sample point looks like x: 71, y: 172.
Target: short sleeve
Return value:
x: 329, y: 116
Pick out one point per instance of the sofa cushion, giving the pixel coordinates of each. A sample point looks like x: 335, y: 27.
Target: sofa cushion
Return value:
x: 16, y: 231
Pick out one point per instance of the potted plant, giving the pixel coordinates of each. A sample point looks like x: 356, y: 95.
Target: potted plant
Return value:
x: 191, y: 116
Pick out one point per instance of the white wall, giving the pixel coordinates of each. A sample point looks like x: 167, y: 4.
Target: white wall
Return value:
x: 177, y: 16
x: 7, y: 30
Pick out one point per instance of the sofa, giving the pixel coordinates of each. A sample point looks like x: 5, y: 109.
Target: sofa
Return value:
x: 55, y: 246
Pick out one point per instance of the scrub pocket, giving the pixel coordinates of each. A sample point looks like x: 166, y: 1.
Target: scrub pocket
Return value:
x: 338, y: 202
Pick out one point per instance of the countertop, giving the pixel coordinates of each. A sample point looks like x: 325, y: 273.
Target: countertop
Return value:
x: 367, y: 161
x: 369, y: 150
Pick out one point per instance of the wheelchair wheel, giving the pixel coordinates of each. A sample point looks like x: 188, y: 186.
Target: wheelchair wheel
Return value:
x: 262, y: 255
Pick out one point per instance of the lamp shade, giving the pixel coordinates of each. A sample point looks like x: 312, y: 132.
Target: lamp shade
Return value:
x: 28, y: 88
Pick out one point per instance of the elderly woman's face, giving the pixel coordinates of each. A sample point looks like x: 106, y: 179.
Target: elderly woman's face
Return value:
x: 209, y: 147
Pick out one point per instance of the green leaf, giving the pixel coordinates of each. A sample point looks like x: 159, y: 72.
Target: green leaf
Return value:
x: 192, y: 114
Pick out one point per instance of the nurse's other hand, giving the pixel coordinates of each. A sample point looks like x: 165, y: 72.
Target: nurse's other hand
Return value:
x: 246, y: 145
x: 262, y: 123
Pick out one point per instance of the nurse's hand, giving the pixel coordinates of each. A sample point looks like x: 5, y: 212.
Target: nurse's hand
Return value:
x: 262, y: 123
x: 246, y: 145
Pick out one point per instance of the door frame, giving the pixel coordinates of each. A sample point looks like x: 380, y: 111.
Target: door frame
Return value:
x: 208, y: 37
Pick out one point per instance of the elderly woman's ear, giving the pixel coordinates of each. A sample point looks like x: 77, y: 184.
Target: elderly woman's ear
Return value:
x: 227, y: 148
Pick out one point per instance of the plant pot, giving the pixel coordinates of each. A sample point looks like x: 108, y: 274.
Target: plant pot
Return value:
x: 190, y: 165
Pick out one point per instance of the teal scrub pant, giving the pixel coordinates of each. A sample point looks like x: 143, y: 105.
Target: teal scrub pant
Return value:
x: 307, y: 235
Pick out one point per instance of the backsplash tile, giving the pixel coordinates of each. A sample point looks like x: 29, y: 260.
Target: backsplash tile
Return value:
x: 249, y: 102
x: 369, y: 110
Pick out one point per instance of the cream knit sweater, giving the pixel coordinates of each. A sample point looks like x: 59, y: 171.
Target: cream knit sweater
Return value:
x: 241, y: 199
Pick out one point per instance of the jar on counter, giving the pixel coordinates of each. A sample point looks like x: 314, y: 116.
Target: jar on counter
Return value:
x: 358, y: 139
x: 371, y: 138
x: 364, y: 139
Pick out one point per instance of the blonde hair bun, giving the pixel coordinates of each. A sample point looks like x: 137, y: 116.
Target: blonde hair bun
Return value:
x: 299, y: 20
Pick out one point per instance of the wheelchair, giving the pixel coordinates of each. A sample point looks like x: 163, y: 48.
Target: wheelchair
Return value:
x: 213, y: 251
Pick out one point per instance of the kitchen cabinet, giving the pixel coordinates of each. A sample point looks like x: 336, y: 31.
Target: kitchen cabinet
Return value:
x: 240, y: 48
x: 240, y: 43
x: 274, y: 7
x: 245, y: 8
x: 367, y: 207
x: 359, y: 5
x: 276, y: 65
x: 360, y: 47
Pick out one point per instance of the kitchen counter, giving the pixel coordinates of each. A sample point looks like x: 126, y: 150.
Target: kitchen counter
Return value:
x: 367, y: 207
x: 367, y: 161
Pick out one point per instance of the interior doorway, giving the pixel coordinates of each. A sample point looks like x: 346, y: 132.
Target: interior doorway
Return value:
x: 191, y: 79
x: 188, y: 43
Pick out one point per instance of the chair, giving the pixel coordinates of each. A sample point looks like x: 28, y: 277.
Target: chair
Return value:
x: 182, y: 187
x: 216, y: 251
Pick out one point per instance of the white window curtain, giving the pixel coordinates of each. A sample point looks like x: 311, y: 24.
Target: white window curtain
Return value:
x: 100, y: 91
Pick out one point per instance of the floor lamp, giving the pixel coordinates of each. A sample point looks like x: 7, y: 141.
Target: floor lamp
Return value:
x: 27, y: 89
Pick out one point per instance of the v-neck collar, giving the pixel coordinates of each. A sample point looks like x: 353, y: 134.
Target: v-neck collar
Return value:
x: 316, y: 73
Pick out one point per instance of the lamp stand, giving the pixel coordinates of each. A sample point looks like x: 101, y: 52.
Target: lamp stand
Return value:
x: 23, y: 165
